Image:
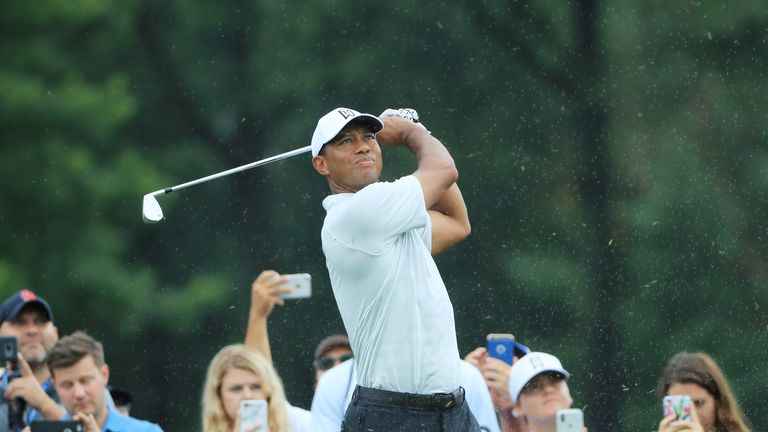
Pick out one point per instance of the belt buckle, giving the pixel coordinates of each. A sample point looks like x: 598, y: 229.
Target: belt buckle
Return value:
x: 444, y: 405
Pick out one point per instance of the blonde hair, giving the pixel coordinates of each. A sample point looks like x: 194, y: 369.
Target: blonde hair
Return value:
x: 239, y: 356
x: 702, y: 370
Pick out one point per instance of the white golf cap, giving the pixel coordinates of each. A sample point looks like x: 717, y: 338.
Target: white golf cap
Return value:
x: 530, y: 365
x: 332, y: 123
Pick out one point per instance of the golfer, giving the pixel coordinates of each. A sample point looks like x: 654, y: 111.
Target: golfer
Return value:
x: 378, y: 239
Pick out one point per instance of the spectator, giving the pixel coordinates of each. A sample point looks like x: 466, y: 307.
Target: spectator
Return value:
x: 495, y: 372
x: 265, y: 294
x: 29, y: 319
x: 239, y: 373
x: 330, y: 352
x: 378, y: 238
x: 697, y: 375
x: 80, y: 376
x: 537, y: 384
x: 123, y: 400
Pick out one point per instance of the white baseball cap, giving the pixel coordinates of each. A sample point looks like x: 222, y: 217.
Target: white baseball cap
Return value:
x: 528, y: 367
x: 332, y: 123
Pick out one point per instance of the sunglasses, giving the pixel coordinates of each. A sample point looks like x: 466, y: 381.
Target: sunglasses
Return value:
x: 327, y: 362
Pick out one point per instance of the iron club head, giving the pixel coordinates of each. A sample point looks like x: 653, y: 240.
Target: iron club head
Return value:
x: 150, y: 210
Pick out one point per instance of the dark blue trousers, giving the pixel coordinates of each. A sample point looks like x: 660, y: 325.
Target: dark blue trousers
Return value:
x: 373, y: 410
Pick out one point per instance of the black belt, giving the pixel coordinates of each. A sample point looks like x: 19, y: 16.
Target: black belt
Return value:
x: 428, y: 402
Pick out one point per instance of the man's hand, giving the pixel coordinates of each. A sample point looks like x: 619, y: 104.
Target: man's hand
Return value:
x: 88, y: 422
x: 397, y: 130
x: 28, y: 388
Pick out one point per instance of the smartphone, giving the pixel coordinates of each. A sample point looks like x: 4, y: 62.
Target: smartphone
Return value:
x: 570, y: 420
x: 301, y: 284
x: 680, y: 406
x: 55, y: 426
x: 254, y: 416
x: 9, y: 349
x: 503, y: 347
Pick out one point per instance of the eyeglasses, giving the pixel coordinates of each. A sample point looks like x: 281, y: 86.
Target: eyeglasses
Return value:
x: 327, y: 362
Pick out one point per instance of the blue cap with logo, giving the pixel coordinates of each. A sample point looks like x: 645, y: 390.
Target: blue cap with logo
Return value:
x: 15, y: 303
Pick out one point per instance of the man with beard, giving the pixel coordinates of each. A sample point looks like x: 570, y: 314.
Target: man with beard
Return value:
x: 29, y: 319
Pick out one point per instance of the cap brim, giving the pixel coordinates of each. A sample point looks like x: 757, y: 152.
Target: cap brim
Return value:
x: 32, y: 303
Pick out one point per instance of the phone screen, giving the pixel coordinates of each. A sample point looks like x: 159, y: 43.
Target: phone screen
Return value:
x: 8, y: 349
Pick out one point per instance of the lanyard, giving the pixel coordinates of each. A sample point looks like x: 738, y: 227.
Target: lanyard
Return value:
x: 32, y: 413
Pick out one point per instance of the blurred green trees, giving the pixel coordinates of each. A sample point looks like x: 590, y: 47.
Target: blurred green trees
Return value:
x: 612, y: 156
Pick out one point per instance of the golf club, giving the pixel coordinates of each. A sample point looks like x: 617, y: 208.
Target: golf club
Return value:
x: 151, y: 211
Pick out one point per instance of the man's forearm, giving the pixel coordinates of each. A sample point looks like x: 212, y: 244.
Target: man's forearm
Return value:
x: 450, y: 221
x: 50, y: 410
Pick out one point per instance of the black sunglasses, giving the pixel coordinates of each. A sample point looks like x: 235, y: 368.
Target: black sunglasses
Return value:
x: 327, y: 362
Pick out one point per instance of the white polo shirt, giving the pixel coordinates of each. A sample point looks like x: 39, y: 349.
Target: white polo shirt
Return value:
x: 389, y: 292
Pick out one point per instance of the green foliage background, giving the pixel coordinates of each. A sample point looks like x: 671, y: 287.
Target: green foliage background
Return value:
x: 612, y: 156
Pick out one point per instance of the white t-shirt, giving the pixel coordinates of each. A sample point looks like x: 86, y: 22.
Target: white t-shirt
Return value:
x: 299, y: 419
x: 390, y: 294
x: 334, y: 392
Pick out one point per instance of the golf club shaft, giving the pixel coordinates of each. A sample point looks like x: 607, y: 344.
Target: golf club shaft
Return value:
x: 234, y: 170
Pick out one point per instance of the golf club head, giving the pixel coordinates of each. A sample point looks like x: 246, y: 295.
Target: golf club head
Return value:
x: 150, y: 210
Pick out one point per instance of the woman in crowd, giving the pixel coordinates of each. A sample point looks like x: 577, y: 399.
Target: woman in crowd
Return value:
x: 238, y: 373
x: 697, y: 375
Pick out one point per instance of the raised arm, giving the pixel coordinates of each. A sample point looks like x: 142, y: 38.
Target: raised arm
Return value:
x: 450, y: 222
x: 265, y: 294
x: 436, y: 171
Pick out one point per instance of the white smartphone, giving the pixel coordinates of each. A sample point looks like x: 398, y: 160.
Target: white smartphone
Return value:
x: 301, y: 284
x: 254, y: 416
x: 570, y: 420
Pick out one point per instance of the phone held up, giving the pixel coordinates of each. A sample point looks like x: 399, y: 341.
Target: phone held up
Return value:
x: 504, y: 347
x: 301, y: 283
x: 9, y: 357
x: 55, y: 426
x: 8, y: 349
x: 254, y: 416
x: 680, y: 406
x: 570, y: 420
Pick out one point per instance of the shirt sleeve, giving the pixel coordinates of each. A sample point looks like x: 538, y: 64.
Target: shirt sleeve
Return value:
x: 379, y: 213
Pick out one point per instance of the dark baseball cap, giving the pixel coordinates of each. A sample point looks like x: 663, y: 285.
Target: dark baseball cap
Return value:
x: 15, y: 303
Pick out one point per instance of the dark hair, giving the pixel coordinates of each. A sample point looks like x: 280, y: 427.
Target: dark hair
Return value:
x: 702, y: 370
x: 73, y: 348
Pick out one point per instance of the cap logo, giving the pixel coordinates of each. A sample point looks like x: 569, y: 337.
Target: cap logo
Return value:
x: 536, y: 362
x: 346, y: 113
x: 28, y: 295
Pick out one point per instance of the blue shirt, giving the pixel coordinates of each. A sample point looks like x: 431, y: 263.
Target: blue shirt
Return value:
x: 117, y: 422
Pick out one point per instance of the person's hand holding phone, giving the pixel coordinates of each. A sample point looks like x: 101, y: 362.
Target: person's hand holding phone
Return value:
x: 670, y: 423
x: 265, y: 292
x: 88, y: 422
x: 254, y: 427
x: 28, y: 388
